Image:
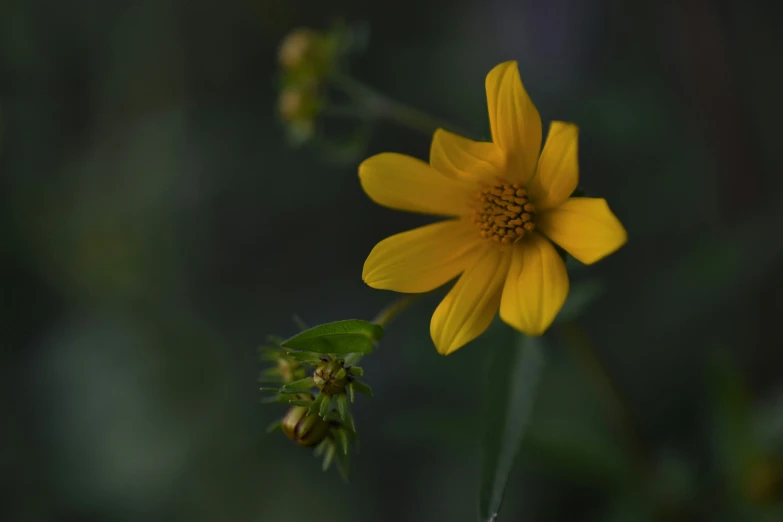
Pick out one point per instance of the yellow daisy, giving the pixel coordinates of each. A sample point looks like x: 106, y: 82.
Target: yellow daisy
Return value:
x: 507, y: 199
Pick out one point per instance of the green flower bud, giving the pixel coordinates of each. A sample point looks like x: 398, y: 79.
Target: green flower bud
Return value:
x: 298, y: 48
x: 298, y: 103
x: 306, y: 430
x: 290, y: 369
x: 331, y: 377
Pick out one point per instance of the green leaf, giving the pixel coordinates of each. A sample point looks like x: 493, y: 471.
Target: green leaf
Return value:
x: 341, y: 337
x: 356, y: 371
x: 274, y: 426
x: 298, y: 402
x: 513, y: 380
x: 298, y: 386
x: 351, y: 391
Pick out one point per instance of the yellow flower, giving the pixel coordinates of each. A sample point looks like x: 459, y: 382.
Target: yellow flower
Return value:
x: 507, y: 202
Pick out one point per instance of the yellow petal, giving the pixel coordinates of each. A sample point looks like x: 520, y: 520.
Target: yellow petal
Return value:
x: 558, y: 168
x: 585, y: 227
x: 406, y: 183
x: 536, y: 287
x: 515, y: 122
x: 469, y: 307
x: 422, y: 259
x: 461, y: 158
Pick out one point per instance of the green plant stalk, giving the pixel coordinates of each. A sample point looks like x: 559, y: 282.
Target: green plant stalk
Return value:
x: 621, y: 412
x: 372, y: 103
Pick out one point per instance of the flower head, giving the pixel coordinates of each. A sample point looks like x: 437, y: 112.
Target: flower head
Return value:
x: 507, y: 201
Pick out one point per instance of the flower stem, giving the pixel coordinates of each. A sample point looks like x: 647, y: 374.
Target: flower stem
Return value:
x: 375, y: 104
x: 584, y: 351
x: 386, y: 315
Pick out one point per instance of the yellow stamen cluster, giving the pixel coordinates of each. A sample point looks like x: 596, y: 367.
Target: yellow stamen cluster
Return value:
x: 504, y: 213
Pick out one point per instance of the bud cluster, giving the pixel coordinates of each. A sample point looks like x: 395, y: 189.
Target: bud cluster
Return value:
x: 309, y: 60
x: 319, y: 389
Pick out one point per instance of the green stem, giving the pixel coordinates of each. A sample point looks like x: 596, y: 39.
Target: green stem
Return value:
x: 385, y: 316
x: 624, y: 417
x: 375, y: 104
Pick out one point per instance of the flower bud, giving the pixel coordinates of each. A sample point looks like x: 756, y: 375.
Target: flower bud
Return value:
x: 306, y: 430
x: 290, y: 369
x: 298, y: 48
x: 331, y: 377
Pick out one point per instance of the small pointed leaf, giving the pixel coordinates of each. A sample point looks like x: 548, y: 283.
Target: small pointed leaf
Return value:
x: 362, y: 388
x: 342, y: 405
x: 298, y: 386
x: 314, y: 407
x: 342, y: 437
x: 329, y: 456
x: 325, y: 402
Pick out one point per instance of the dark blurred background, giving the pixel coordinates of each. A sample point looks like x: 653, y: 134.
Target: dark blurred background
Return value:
x: 156, y: 226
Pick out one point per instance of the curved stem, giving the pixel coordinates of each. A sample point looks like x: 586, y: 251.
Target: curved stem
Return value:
x: 583, y: 350
x: 383, y: 319
x: 379, y: 105
x: 386, y: 315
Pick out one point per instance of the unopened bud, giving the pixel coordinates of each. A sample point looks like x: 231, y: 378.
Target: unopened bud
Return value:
x: 330, y: 377
x: 306, y: 430
x: 299, y: 48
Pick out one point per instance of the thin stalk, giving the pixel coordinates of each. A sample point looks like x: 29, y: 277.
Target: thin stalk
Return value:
x: 373, y: 103
x: 618, y: 405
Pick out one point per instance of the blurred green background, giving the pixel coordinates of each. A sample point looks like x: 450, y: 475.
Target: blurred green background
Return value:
x: 156, y: 226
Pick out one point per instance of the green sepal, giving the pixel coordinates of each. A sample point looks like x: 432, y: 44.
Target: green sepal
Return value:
x: 274, y: 426
x: 316, y: 404
x: 299, y: 402
x: 342, y: 466
x: 350, y: 391
x: 328, y: 457
x: 342, y: 405
x: 356, y: 371
x: 277, y: 399
x: 299, y: 386
x: 265, y: 389
x: 342, y: 437
x: 325, y: 402
x: 362, y: 388
x: 319, y: 450
x: 299, y: 322
x: 270, y: 354
x: 304, y: 356
x: 274, y: 339
x: 352, y: 358
x: 332, y: 416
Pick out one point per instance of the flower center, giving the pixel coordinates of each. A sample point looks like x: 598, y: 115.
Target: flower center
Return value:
x: 504, y: 213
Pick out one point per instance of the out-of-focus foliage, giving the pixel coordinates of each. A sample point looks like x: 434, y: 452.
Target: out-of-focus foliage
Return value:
x: 156, y: 224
